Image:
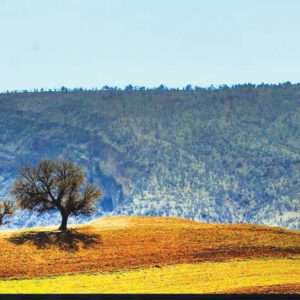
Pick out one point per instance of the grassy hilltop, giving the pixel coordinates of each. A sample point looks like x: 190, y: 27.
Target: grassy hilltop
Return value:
x: 144, y: 254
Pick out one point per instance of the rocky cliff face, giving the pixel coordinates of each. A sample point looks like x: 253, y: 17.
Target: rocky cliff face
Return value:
x: 228, y: 155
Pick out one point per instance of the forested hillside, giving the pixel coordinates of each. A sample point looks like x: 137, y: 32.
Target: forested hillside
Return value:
x: 216, y: 155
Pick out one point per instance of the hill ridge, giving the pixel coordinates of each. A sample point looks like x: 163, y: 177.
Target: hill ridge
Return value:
x: 229, y: 155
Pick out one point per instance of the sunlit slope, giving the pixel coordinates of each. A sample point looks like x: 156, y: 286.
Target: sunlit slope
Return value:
x: 280, y: 275
x: 124, y: 243
x: 236, y: 150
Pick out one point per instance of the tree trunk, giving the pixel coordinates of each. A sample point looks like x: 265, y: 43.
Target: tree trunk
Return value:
x: 64, y: 221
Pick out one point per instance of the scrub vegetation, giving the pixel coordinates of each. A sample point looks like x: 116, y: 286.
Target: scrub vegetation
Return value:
x: 228, y: 154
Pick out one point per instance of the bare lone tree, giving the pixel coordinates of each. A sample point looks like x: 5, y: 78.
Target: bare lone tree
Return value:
x: 6, y: 209
x: 56, y: 185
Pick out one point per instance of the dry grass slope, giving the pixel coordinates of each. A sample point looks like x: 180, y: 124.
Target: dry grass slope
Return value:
x: 273, y: 275
x: 125, y: 245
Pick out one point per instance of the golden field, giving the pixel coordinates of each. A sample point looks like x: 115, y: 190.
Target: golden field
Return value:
x: 151, y: 255
x: 273, y: 275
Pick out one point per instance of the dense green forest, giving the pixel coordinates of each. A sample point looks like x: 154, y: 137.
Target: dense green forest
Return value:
x: 228, y: 154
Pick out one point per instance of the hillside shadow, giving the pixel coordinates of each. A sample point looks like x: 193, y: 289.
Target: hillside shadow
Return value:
x: 70, y: 240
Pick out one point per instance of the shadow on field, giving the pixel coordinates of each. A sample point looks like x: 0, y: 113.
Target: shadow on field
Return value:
x: 70, y: 240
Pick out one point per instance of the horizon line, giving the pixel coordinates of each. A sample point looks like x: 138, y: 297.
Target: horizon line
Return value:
x: 131, y: 87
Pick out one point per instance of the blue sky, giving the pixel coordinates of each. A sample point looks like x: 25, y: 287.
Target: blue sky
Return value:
x: 50, y: 43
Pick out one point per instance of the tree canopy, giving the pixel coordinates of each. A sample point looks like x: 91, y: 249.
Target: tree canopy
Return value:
x: 56, y: 185
x: 6, y: 210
